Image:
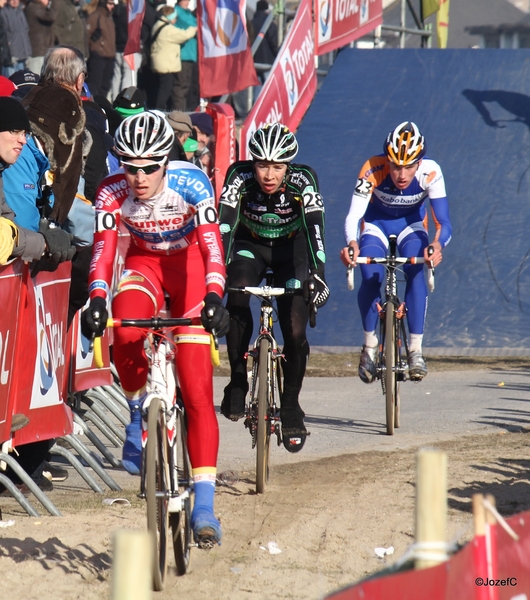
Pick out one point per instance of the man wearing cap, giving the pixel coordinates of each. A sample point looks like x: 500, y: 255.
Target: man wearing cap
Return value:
x: 25, y: 80
x: 16, y: 27
x: 181, y: 124
x: 130, y: 101
x: 203, y: 126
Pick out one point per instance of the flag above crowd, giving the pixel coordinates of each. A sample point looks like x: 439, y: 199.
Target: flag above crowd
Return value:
x: 225, y: 59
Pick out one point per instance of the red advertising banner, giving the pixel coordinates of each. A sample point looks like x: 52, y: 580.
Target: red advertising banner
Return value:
x: 339, y: 22
x: 224, y: 129
x: 490, y: 567
x: 10, y: 285
x: 292, y: 83
x: 40, y: 360
x: 225, y: 59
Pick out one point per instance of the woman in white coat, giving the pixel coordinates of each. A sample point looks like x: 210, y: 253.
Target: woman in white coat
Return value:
x: 165, y: 52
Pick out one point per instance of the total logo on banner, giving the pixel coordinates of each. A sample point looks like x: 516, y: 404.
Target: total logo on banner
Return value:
x: 225, y: 33
x: 289, y: 78
x: 335, y: 11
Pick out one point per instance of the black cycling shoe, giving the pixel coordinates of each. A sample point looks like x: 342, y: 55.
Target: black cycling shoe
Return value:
x: 233, y: 404
x: 294, y: 433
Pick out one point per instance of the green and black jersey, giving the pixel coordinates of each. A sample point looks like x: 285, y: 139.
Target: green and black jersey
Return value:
x: 248, y: 213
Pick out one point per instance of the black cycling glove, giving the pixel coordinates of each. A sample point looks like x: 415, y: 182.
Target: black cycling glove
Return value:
x: 214, y: 315
x: 94, y: 318
x: 316, y: 289
x: 59, y: 243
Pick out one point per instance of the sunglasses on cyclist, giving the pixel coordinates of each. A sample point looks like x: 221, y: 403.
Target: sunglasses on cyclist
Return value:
x: 147, y: 169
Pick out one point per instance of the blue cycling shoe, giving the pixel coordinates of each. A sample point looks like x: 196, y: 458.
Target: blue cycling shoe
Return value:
x: 206, y: 528
x: 132, y: 448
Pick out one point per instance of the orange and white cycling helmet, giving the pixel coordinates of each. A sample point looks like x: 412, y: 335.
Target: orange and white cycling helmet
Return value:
x: 405, y: 145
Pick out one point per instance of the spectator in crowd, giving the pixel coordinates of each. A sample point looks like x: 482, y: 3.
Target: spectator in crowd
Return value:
x: 190, y: 147
x: 188, y: 58
x: 17, y: 31
x: 58, y: 123
x: 203, y: 126
x: 130, y: 101
x: 166, y: 40
x: 181, y: 124
x: 40, y: 15
x: 146, y: 77
x: 123, y: 75
x: 102, y: 47
x: 25, y: 80
x: 5, y: 56
x: 7, y: 87
x: 268, y: 49
x: 70, y: 28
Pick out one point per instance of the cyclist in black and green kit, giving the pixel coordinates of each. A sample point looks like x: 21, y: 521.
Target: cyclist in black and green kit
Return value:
x: 272, y: 216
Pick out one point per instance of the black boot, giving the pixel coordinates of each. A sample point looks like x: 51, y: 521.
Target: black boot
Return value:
x: 292, y: 416
x: 233, y: 404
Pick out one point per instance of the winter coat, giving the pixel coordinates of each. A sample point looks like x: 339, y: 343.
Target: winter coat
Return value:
x: 40, y: 20
x: 5, y: 55
x: 70, y: 26
x: 105, y: 46
x: 185, y: 19
x: 31, y: 244
x: 17, y: 31
x: 23, y: 185
x: 165, y: 50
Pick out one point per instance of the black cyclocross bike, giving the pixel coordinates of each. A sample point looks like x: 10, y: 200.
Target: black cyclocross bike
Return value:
x: 262, y: 410
x: 392, y: 360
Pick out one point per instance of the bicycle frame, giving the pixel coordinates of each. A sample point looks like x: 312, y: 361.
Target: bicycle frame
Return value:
x: 262, y: 414
x: 392, y: 363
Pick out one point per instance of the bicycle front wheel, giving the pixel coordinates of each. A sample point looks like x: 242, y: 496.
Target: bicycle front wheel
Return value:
x: 390, y: 367
x: 181, y: 521
x: 263, y: 433
x: 157, y: 488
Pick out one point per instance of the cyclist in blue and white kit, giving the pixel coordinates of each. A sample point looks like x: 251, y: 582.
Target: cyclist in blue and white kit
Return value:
x: 389, y: 198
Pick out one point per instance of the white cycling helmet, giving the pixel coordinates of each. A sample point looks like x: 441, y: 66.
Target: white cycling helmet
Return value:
x: 273, y: 143
x: 145, y: 135
x: 405, y: 145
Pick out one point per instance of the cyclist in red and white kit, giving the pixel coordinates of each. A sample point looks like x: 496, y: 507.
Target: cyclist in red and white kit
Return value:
x: 169, y: 211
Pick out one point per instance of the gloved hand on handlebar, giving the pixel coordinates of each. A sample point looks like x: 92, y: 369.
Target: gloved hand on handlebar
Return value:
x: 214, y: 315
x: 94, y: 318
x: 316, y: 289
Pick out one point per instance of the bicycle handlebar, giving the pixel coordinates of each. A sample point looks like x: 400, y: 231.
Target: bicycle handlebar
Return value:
x: 267, y: 291
x: 385, y: 261
x: 156, y: 323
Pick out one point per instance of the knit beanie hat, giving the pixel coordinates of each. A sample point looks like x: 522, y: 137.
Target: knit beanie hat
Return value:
x: 12, y: 115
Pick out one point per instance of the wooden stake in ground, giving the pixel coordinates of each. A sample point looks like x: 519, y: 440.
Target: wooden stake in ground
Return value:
x: 131, y: 566
x: 431, y: 508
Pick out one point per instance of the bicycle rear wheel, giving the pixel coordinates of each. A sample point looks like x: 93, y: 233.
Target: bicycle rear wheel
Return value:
x: 390, y: 364
x: 181, y: 521
x: 157, y: 488
x: 263, y: 433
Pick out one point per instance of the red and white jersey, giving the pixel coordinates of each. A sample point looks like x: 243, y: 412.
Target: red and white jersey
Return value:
x: 181, y: 215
